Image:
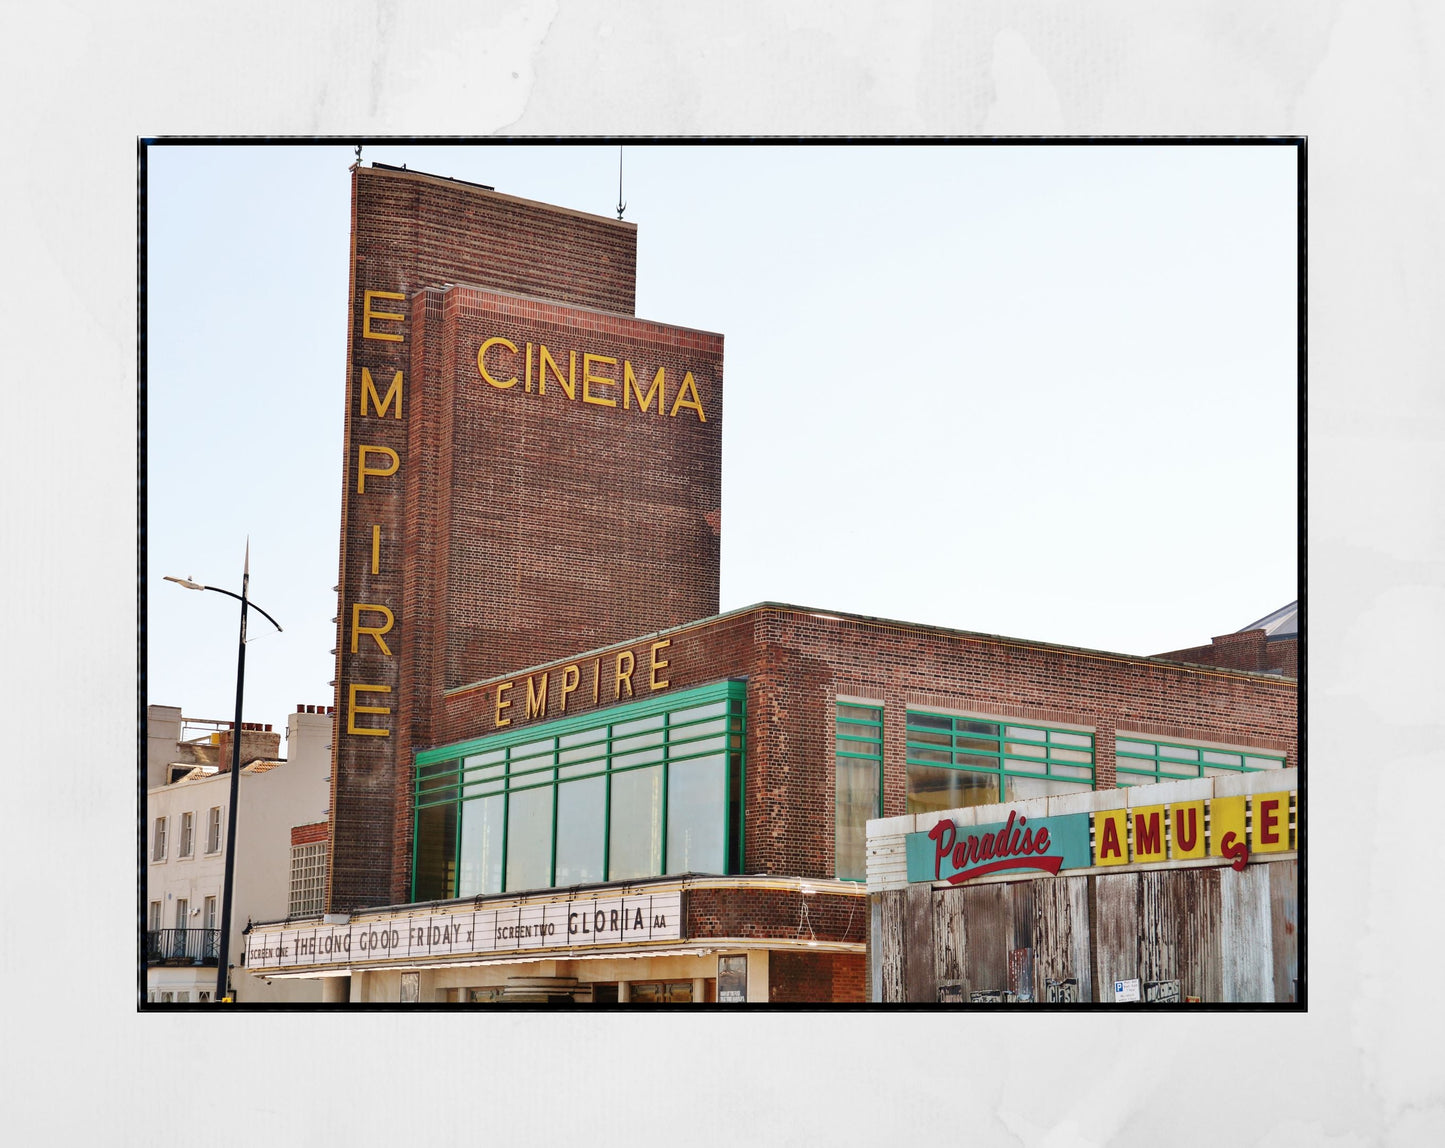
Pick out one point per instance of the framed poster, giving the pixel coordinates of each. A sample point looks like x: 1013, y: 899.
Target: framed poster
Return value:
x: 732, y: 979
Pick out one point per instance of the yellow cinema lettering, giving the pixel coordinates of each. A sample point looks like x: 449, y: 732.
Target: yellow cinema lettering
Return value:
x: 596, y: 678
x: 657, y: 648
x: 696, y: 404
x: 569, y: 384
x: 362, y: 470
x: 357, y: 629
x: 501, y: 384
x: 352, y: 709
x: 368, y: 391
x: 631, y: 662
x: 376, y: 549
x: 528, y: 383
x: 658, y: 388
x: 367, y: 315
x: 571, y: 676
x: 501, y: 705
x: 588, y: 379
x: 537, y: 700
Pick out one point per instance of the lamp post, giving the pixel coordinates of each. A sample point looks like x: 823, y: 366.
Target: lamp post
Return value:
x: 224, y: 955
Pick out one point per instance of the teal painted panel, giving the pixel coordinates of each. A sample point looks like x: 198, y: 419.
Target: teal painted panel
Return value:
x: 1019, y: 844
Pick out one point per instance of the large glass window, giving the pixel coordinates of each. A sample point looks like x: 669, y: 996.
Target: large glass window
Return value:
x: 481, y: 863
x: 639, y: 790
x: 581, y: 830
x: 1139, y: 762
x: 636, y: 824
x: 436, y: 852
x: 959, y: 761
x: 696, y: 792
x: 529, y: 850
x: 857, y: 784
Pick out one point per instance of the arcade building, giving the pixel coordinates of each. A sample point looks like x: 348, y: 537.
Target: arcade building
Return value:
x: 559, y: 773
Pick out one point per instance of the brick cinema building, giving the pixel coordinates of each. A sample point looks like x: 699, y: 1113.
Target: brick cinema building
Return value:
x: 560, y: 774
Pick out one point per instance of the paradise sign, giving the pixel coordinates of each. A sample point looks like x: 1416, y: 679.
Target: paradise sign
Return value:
x: 958, y: 853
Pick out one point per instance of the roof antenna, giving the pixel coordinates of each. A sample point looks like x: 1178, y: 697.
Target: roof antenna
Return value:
x: 621, y: 207
x: 358, y: 157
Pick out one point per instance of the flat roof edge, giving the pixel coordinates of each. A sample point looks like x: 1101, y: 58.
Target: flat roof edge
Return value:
x: 390, y: 171
x: 445, y: 287
x: 869, y: 620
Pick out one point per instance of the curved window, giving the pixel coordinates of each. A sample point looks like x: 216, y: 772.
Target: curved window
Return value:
x: 635, y: 791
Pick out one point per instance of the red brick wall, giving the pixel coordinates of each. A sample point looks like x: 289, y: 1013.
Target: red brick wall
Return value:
x: 414, y: 231
x: 517, y: 525
x: 797, y: 662
x: 771, y: 913
x: 816, y: 978
x: 309, y: 834
x: 1247, y: 650
x: 573, y: 523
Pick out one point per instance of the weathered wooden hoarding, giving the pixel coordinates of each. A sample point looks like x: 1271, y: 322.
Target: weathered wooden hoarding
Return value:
x: 1214, y: 923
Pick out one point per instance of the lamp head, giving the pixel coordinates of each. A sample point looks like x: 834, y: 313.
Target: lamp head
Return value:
x: 186, y: 582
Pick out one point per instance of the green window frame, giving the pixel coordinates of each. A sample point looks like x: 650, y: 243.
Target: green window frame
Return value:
x: 1011, y: 753
x: 857, y: 762
x: 676, y: 735
x: 1145, y: 761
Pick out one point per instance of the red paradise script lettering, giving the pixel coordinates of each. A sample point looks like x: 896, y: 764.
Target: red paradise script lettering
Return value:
x: 1009, y: 848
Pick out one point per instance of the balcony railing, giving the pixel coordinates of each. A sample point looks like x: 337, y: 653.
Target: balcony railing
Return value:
x: 182, y: 946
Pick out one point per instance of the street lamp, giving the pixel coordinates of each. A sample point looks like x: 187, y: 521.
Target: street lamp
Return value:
x: 224, y: 955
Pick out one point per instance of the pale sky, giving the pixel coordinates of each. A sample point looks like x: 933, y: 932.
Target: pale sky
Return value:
x: 1043, y: 391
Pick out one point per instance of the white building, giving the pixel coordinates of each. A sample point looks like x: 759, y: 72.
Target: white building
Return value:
x: 282, y: 800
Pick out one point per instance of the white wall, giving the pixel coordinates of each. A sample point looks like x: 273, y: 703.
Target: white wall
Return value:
x: 293, y: 793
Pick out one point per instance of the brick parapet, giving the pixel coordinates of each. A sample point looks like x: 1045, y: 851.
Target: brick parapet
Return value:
x: 776, y: 914
x: 309, y: 834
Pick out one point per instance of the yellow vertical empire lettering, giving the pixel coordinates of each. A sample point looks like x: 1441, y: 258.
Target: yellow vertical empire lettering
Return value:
x: 537, y: 702
x: 368, y: 390
x: 588, y: 378
x: 362, y: 470
x: 696, y: 404
x: 357, y: 629
x: 596, y: 677
x: 367, y: 315
x: 629, y: 384
x: 657, y: 648
x: 570, y: 674
x: 624, y: 656
x: 376, y: 549
x: 352, y: 709
x: 544, y: 359
x: 528, y: 384
x: 501, y: 705
x: 498, y: 341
